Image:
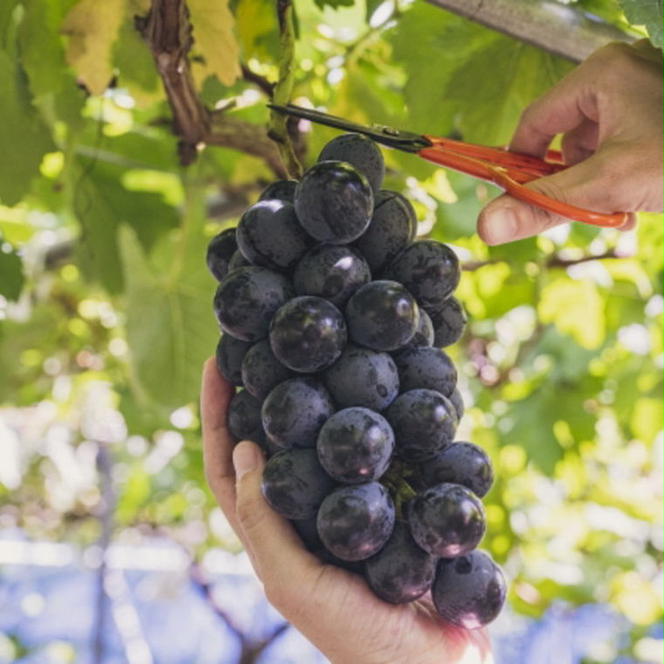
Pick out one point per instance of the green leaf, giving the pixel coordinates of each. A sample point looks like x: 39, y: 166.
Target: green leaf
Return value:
x: 648, y: 13
x: 170, y: 325
x: 101, y: 205
x: 134, y: 61
x: 432, y: 45
x: 92, y: 27
x: 460, y: 74
x: 489, y: 106
x: 42, y: 51
x: 11, y: 274
x: 23, y: 134
x: 6, y: 13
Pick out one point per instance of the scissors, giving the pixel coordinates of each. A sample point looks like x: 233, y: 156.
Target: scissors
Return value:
x: 509, y: 170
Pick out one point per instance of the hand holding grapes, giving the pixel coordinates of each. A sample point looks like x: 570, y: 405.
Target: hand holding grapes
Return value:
x: 333, y: 608
x: 609, y: 112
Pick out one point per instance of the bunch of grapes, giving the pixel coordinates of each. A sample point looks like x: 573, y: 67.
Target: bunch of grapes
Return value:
x: 333, y: 321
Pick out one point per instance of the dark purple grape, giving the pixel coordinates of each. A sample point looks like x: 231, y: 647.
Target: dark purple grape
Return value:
x: 294, y: 483
x: 270, y: 235
x: 424, y: 333
x: 422, y: 422
x: 460, y: 463
x: 469, y: 591
x: 354, y: 522
x: 401, y: 571
x: 237, y: 260
x: 447, y: 520
x: 392, y: 228
x: 331, y: 271
x: 334, y: 202
x: 359, y: 151
x: 449, y: 322
x: 428, y: 368
x: 457, y: 401
x: 355, y: 445
x: 295, y: 410
x: 229, y: 356
x: 382, y: 315
x: 219, y: 253
x: 244, y: 418
x: 262, y: 371
x: 247, y: 299
x: 308, y: 334
x: 363, y: 377
x: 429, y: 270
x: 308, y: 532
x: 281, y: 190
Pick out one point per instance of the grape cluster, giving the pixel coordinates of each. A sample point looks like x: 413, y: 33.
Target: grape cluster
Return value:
x: 333, y: 320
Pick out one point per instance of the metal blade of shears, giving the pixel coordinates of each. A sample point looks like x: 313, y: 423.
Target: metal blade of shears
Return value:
x: 389, y: 136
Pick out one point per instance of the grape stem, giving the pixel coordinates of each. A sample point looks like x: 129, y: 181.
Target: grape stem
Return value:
x: 278, y: 129
x: 395, y: 481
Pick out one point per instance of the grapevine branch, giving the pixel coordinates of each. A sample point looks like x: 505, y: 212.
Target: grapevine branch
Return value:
x: 563, y: 30
x: 283, y: 89
x: 168, y: 32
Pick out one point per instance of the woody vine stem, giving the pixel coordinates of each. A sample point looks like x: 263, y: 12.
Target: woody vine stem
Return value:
x: 278, y: 130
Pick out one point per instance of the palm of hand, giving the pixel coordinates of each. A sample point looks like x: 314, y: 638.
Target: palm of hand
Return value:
x: 333, y: 608
x: 383, y: 632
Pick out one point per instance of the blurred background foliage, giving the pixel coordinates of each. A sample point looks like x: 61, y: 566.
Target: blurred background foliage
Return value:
x: 105, y: 301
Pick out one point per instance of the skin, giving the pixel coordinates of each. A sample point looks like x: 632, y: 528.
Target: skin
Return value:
x: 333, y: 608
x: 608, y: 111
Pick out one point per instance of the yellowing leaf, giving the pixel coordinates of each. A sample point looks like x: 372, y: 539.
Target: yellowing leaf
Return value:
x: 214, y: 40
x: 575, y: 307
x: 92, y: 27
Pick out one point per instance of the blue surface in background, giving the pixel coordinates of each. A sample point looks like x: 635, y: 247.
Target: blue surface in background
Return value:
x: 173, y: 615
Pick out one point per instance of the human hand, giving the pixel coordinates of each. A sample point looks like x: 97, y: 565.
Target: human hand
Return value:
x: 609, y: 110
x: 333, y: 608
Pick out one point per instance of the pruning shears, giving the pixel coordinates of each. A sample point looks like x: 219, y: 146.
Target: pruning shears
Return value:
x: 509, y: 170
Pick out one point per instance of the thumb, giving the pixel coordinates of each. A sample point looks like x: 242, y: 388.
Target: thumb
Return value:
x: 590, y: 184
x: 273, y: 545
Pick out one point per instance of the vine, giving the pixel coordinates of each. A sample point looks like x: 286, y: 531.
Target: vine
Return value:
x: 283, y: 89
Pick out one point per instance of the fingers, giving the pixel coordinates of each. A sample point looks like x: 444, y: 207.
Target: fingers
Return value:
x: 580, y: 143
x: 590, y: 184
x: 281, y: 561
x: 560, y: 110
x: 216, y: 394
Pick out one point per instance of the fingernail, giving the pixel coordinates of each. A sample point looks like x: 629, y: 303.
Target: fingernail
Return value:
x: 245, y: 458
x: 501, y: 226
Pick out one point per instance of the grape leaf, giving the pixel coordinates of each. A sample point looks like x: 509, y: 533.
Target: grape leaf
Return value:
x: 92, y: 27
x: 102, y: 204
x: 11, y: 274
x: 170, y: 326
x: 488, y: 113
x: 432, y: 45
x: 134, y: 61
x: 447, y: 59
x: 42, y: 52
x: 6, y: 13
x: 647, y: 13
x: 23, y: 134
x: 214, y: 40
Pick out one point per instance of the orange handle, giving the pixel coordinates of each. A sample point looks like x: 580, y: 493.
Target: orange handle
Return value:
x: 511, y: 170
